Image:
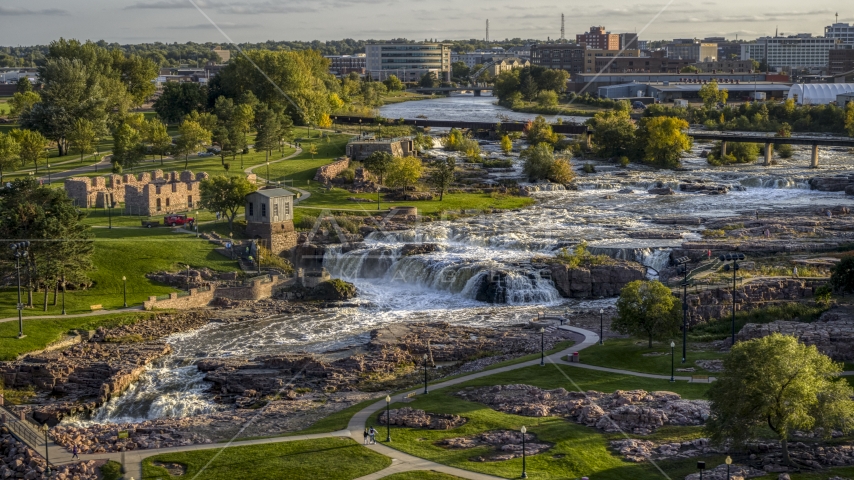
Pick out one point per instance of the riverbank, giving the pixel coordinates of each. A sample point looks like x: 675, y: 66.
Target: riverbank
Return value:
x: 575, y: 110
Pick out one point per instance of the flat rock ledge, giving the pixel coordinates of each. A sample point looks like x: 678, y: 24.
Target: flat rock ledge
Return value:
x: 636, y: 411
x: 412, y: 418
x: 832, y: 333
x: 507, y: 445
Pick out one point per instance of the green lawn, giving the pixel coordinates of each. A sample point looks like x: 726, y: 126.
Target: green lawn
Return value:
x: 629, y: 354
x: 577, y: 451
x: 130, y: 252
x: 42, y: 331
x: 4, y: 106
x: 327, y: 458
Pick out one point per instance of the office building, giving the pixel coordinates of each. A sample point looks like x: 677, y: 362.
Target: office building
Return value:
x: 629, y: 41
x: 408, y: 61
x: 801, y: 51
x: 692, y: 49
x: 344, y: 64
x: 840, y: 60
x: 595, y: 59
x: 840, y: 31
x: 598, y: 38
x: 562, y: 56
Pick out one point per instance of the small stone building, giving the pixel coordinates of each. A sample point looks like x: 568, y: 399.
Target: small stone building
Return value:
x: 359, y: 150
x: 269, y: 217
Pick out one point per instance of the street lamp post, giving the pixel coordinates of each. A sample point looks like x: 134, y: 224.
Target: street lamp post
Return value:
x: 48, y: 174
x: 20, y: 250
x: 683, y: 269
x: 63, y: 294
x: 601, y: 326
x: 125, y: 290
x: 360, y: 127
x: 188, y: 278
x: 672, y: 362
x: 701, y: 466
x: 728, y: 462
x: 565, y: 316
x: 425, y: 374
x: 110, y: 213
x: 387, y: 418
x: 45, y: 429
x: 267, y: 180
x: 734, y: 257
x: 542, y: 347
x: 524, y: 473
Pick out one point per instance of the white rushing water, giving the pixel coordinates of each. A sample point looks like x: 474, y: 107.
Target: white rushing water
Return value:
x: 442, y: 285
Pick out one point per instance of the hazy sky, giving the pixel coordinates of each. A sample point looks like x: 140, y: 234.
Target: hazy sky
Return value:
x: 25, y: 22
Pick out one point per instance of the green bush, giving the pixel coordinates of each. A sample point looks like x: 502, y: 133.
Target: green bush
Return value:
x: 714, y: 233
x: 307, y: 222
x: 623, y: 162
x: 111, y: 470
x: 784, y: 151
x: 588, y: 168
x: 497, y: 163
x: 822, y: 295
x: 842, y: 278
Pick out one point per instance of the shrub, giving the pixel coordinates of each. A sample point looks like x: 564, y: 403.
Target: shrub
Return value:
x: 588, y: 168
x: 785, y: 151
x: 497, y: 163
x: 111, y: 470
x: 307, y: 222
x: 822, y: 295
x: 623, y: 162
x: 714, y: 233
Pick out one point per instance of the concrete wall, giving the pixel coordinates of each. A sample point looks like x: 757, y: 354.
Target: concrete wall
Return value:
x: 258, y: 290
x: 360, y: 150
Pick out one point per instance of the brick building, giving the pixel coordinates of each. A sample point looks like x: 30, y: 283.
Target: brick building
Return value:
x: 269, y: 217
x: 597, y: 37
x: 840, y: 60
x: 146, y: 194
x: 639, y: 65
x: 344, y: 64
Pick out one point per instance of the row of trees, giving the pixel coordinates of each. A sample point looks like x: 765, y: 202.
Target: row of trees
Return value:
x: 658, y: 141
x: 530, y: 84
x: 60, y: 251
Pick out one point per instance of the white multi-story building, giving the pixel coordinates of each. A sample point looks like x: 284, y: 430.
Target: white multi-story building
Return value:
x: 482, y: 56
x: 792, y: 52
x: 841, y: 31
x: 408, y: 61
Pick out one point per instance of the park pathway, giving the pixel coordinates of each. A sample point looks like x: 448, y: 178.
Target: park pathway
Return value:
x: 76, y: 315
x: 304, y: 194
x: 401, y: 462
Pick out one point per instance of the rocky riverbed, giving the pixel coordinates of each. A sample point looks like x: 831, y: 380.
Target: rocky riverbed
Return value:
x: 18, y: 461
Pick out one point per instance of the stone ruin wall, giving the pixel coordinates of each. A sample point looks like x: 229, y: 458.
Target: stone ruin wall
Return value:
x: 326, y: 173
x: 176, y: 191
x: 717, y: 303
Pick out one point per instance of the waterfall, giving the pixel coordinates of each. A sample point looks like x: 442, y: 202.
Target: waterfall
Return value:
x: 655, y: 258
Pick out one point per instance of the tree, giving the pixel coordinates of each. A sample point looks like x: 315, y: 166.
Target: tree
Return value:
x: 506, y: 144
x: 613, y: 134
x: 460, y: 70
x: 378, y: 163
x: 268, y: 131
x: 849, y: 118
x: 127, y: 146
x: 711, y: 94
x: 393, y: 84
x: 506, y: 87
x: 9, y: 151
x: 403, y: 172
x: 222, y: 136
x: 662, y: 140
x: 33, y: 145
x: 156, y: 135
x: 539, y: 131
x: 82, y: 137
x: 312, y: 149
x: 23, y: 85
x: 547, y: 98
x: 553, y: 79
x: 325, y: 121
x: 778, y: 383
x: 429, y: 80
x: 842, y: 275
x: 178, y: 100
x: 191, y: 137
x: 442, y: 175
x: 538, y: 161
x: 646, y: 308
x: 22, y: 103
x: 423, y: 141
x: 225, y: 194
x: 561, y: 171
x: 454, y: 140
x: 689, y: 69
x: 208, y: 121
x: 528, y: 88
x: 737, y: 152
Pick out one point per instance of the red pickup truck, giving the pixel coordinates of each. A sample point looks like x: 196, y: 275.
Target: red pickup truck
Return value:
x: 173, y: 220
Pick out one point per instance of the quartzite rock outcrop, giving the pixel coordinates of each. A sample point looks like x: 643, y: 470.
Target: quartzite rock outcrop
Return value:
x: 636, y: 411
x: 595, y: 281
x: 832, y: 333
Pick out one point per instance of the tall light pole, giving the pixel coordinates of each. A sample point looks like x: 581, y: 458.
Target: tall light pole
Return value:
x: 188, y: 278
x: 48, y: 174
x: 524, y: 473
x: 542, y: 347
x: 683, y: 269
x: 267, y: 180
x: 672, y: 361
x: 125, y: 290
x: 601, y: 326
x: 20, y: 250
x: 425, y: 374
x: 734, y: 258
x: 45, y: 429
x: 387, y: 418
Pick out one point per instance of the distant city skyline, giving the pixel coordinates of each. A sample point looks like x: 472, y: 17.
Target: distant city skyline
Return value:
x: 28, y: 22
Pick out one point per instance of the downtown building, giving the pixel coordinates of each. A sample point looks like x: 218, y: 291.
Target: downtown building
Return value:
x: 692, y: 49
x: 795, y: 52
x: 408, y: 61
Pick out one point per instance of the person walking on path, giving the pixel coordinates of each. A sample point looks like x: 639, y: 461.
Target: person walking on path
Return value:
x: 367, y: 435
x: 795, y: 272
x: 74, y: 452
x: 373, y: 435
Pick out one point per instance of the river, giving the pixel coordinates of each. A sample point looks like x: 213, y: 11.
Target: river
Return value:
x: 440, y: 285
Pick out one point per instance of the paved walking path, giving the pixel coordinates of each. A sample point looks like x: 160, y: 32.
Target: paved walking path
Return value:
x: 87, y: 314
x: 401, y: 462
x: 304, y: 194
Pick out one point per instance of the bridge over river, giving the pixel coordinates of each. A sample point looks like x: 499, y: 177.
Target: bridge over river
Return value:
x: 815, y: 142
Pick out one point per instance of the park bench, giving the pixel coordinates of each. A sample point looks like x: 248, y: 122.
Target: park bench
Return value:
x: 697, y: 378
x: 96, y: 307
